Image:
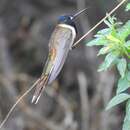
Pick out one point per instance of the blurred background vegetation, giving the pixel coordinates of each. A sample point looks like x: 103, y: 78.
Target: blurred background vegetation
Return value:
x: 77, y: 99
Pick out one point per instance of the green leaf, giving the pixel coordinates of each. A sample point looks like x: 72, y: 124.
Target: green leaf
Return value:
x: 121, y: 66
x: 110, y: 58
x: 104, y: 50
x: 128, y: 110
x: 127, y: 7
x: 98, y: 36
x: 108, y: 23
x: 117, y: 100
x: 113, y: 39
x: 104, y: 31
x: 124, y: 31
x: 112, y: 19
x: 127, y: 44
x: 123, y: 84
x: 128, y: 76
x: 129, y: 66
x: 126, y: 124
x: 97, y: 42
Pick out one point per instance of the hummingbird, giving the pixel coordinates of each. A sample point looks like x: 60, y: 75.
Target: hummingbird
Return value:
x: 60, y: 44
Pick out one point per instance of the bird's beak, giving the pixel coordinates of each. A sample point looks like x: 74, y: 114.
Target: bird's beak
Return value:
x: 78, y: 13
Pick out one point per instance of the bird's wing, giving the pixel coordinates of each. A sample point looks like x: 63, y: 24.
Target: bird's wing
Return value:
x: 62, y: 41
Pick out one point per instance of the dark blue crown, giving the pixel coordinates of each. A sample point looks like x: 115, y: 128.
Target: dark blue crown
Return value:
x: 67, y: 19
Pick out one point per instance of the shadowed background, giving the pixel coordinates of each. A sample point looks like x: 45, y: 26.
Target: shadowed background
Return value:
x: 77, y: 99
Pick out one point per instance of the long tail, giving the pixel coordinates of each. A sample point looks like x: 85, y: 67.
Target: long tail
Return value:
x: 39, y: 88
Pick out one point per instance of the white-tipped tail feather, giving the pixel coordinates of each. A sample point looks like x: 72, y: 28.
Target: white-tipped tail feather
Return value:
x: 39, y: 89
x: 35, y: 99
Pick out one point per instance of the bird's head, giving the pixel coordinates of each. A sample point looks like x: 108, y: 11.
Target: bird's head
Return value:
x: 70, y: 19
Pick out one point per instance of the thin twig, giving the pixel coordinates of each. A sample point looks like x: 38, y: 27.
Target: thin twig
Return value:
x: 13, y: 107
x: 101, y: 21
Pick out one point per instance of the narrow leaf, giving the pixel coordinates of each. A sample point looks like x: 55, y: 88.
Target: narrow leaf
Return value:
x: 124, y: 31
x: 126, y: 124
x: 117, y: 100
x: 112, y: 19
x: 97, y: 42
x: 123, y: 84
x: 127, y: 44
x: 110, y: 58
x: 104, y: 50
x: 121, y: 66
x: 113, y: 39
x: 128, y: 76
x: 128, y: 66
x: 107, y: 23
x: 128, y: 110
x: 127, y: 7
x: 104, y: 31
